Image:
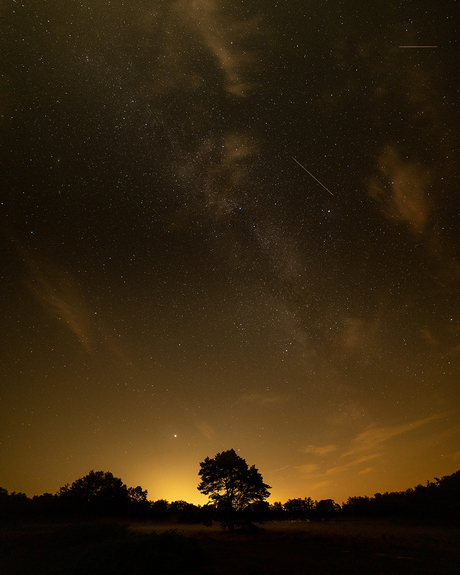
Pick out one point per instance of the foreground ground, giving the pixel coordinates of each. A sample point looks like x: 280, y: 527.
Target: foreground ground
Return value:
x: 356, y: 547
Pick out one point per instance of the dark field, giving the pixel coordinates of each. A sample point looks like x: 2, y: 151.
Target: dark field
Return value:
x: 279, y: 547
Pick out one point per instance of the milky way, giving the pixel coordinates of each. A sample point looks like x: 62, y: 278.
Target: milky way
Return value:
x: 174, y: 285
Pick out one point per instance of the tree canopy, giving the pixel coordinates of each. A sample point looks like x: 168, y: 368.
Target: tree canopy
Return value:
x: 101, y: 492
x: 231, y: 485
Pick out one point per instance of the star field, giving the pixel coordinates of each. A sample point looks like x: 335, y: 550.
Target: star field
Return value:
x: 175, y: 284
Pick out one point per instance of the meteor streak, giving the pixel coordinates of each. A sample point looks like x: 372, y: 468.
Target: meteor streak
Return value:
x: 310, y: 174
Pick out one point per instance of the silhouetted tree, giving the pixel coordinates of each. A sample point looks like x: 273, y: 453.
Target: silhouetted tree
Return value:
x: 159, y: 509
x: 437, y: 501
x: 98, y: 493
x: 137, y: 494
x: 13, y: 505
x: 231, y: 485
x: 449, y: 496
x: 139, y: 504
x: 258, y: 511
x: 361, y: 506
x: 277, y: 511
x: 299, y: 508
x: 46, y: 504
x: 326, y: 509
x: 184, y: 512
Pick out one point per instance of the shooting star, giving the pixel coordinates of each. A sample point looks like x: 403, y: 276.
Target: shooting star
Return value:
x: 418, y: 46
x: 310, y: 174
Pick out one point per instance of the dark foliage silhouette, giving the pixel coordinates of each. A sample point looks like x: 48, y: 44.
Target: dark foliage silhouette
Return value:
x: 325, y: 509
x: 237, y: 496
x: 100, y: 493
x: 159, y: 510
x: 231, y: 485
x: 299, y: 508
x: 437, y: 501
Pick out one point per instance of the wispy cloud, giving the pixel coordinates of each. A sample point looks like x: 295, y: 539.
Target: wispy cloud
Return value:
x: 406, y: 191
x: 320, y: 484
x: 206, y: 430
x: 455, y: 456
x: 320, y: 449
x: 353, y: 463
x: 190, y: 38
x: 373, y: 439
x: 359, y: 336
x: 401, y: 189
x: 368, y: 445
x: 225, y: 36
x: 428, y: 336
x: 308, y: 468
x: 279, y: 469
x: 58, y: 292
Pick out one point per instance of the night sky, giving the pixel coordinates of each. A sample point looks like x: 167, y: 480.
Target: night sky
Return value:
x: 229, y: 224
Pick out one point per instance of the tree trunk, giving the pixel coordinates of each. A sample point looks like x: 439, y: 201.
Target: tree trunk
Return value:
x: 230, y: 522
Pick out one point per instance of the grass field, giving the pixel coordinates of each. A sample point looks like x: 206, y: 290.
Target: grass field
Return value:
x: 113, y: 548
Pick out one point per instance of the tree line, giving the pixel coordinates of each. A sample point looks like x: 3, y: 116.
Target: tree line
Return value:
x: 237, y: 498
x: 437, y: 501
